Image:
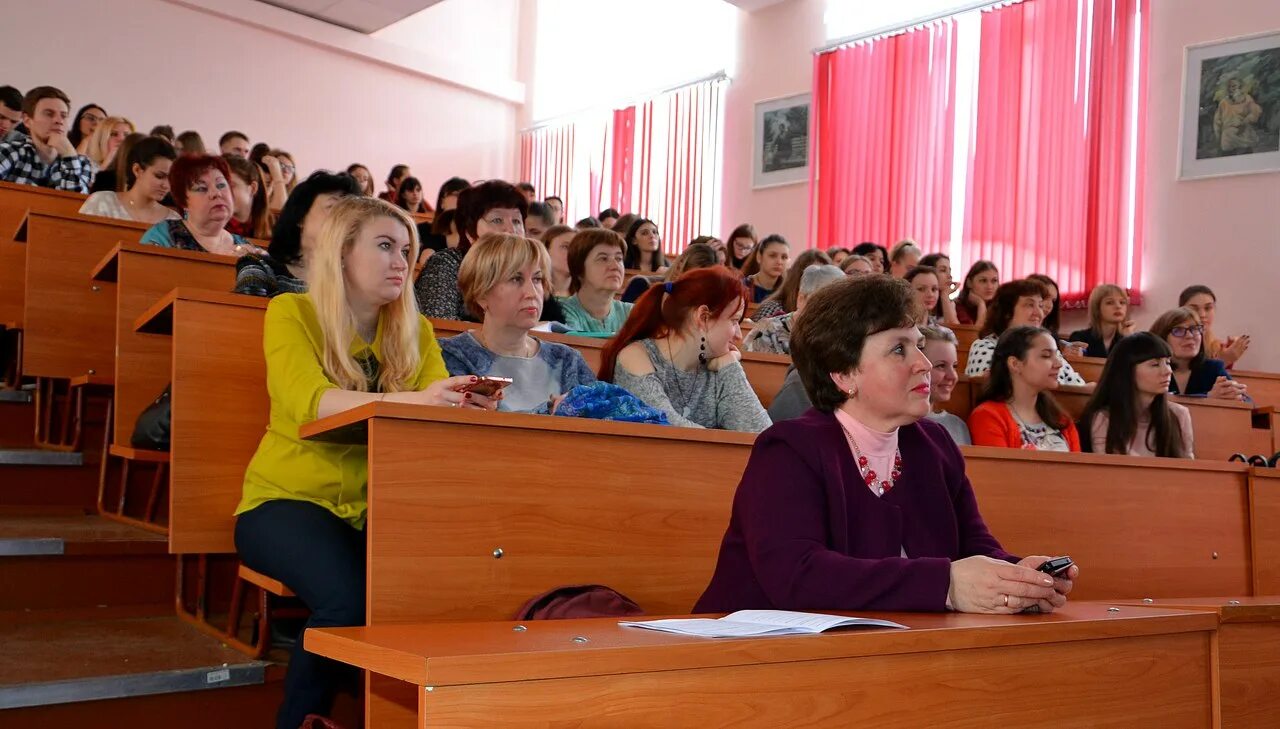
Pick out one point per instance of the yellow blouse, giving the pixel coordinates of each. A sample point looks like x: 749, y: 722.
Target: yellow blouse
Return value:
x: 287, y: 467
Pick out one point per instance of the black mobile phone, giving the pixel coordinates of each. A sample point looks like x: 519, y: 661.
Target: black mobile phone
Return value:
x: 1056, y: 567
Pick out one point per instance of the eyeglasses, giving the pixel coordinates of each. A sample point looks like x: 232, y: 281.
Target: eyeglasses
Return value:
x: 94, y: 118
x: 1183, y: 332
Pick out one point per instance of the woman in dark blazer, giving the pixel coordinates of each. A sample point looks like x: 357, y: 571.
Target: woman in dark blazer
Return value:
x: 861, y: 503
x: 1194, y: 374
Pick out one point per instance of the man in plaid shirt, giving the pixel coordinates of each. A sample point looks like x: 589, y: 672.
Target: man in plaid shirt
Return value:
x: 46, y: 158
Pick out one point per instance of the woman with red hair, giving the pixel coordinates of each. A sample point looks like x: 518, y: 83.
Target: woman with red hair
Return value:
x: 677, y: 352
x: 202, y: 191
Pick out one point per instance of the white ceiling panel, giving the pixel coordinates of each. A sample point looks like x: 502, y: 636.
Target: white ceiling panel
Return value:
x: 365, y: 16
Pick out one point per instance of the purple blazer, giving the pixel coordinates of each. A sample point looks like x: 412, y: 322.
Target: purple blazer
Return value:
x: 807, y: 534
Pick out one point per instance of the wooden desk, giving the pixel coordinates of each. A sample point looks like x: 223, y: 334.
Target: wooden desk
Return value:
x: 15, y: 202
x: 765, y: 372
x: 1082, y: 667
x: 1248, y: 670
x: 1264, y: 387
x: 217, y: 419
x: 143, y: 274
x: 1264, y: 512
x: 68, y: 320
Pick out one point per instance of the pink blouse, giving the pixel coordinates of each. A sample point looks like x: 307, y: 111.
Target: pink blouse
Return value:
x: 879, y: 448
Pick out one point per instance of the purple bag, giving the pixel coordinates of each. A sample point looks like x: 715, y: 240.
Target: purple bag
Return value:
x: 579, y: 601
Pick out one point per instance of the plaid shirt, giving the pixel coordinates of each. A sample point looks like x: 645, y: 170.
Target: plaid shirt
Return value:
x: 22, y: 164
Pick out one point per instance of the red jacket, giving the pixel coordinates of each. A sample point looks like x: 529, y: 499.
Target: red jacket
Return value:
x: 992, y: 424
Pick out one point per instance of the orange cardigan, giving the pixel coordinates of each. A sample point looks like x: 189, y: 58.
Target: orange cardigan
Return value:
x: 992, y: 424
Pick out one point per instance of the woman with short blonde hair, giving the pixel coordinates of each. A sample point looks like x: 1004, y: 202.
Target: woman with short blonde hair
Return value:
x: 106, y: 139
x: 356, y: 337
x: 1109, y: 321
x: 503, y: 281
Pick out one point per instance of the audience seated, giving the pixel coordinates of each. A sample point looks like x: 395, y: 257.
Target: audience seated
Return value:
x: 940, y: 347
x: 409, y: 195
x: 355, y: 338
x: 945, y: 311
x: 1203, y: 302
x: 249, y: 214
x: 11, y: 114
x: 1130, y: 412
x: 115, y: 177
x: 1109, y: 321
x: 607, y: 218
x: 397, y: 175
x: 783, y: 299
x: 234, y: 144
x: 489, y: 207
x: 149, y: 162
x: 529, y: 191
x: 557, y: 239
x: 717, y: 245
x: 538, y: 220
x: 285, y: 267
x: 503, y: 281
x: 676, y: 352
x: 1050, y: 305
x: 742, y: 243
x: 203, y: 194
x: 773, y: 335
x: 904, y: 257
x: 877, y: 254
x: 1015, y: 408
x: 1194, y: 373
x: 596, y: 274
x: 1015, y: 304
x: 557, y: 209
x: 105, y: 140
x: 766, y: 266
x: 800, y: 537
x: 856, y: 265
x: 837, y: 254
x: 164, y: 131
x: 926, y: 287
x: 447, y: 196
x: 46, y: 158
x: 697, y: 255
x: 274, y: 176
x: 587, y: 222
x: 83, y: 126
x: 979, y: 288
x: 623, y: 224
x: 644, y: 247
x: 190, y: 142
x: 363, y: 178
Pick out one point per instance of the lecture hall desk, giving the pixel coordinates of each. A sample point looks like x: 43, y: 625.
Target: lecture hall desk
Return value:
x: 15, y: 202
x: 1089, y: 665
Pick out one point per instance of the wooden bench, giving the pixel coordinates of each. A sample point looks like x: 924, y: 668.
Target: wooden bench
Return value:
x: 465, y: 540
x: 765, y: 372
x: 1086, y: 665
x: 15, y: 202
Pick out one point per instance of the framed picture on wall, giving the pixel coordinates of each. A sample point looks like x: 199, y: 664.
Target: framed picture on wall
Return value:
x: 1231, y: 107
x: 781, y: 150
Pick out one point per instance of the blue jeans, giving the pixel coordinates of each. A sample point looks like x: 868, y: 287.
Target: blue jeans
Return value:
x: 322, y: 559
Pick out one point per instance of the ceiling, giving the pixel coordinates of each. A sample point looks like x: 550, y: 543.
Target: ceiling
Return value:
x: 365, y: 16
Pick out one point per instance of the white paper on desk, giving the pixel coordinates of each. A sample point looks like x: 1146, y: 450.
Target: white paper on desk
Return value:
x: 746, y: 623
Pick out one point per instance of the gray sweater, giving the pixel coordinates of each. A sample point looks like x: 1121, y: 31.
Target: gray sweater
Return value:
x: 701, y: 399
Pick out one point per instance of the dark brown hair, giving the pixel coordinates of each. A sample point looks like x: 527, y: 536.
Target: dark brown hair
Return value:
x: 962, y: 301
x: 1117, y: 396
x: 479, y: 199
x: 789, y: 291
x: 1000, y: 310
x: 259, y: 219
x: 585, y: 241
x: 999, y: 388
x: 40, y: 93
x: 1163, y: 327
x: 836, y: 324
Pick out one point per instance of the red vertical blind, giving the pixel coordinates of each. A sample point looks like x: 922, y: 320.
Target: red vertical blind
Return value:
x: 1056, y: 172
x: 885, y: 142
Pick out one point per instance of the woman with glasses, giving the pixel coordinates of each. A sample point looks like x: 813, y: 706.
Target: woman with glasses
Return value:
x: 1194, y: 373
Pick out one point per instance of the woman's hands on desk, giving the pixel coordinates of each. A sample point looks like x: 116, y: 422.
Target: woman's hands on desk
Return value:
x: 985, y: 585
x: 446, y: 393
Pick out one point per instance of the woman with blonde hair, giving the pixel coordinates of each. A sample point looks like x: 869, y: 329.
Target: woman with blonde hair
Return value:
x: 356, y: 337
x: 106, y: 139
x: 1109, y: 321
x: 504, y: 282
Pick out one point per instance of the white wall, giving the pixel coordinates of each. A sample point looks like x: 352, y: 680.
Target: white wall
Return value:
x: 160, y: 62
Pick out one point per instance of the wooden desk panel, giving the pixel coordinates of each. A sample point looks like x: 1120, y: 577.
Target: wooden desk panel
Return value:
x: 217, y: 419
x: 144, y: 362
x: 765, y: 372
x: 1146, y: 667
x: 1138, y: 527
x: 1264, y: 387
x: 1248, y: 656
x: 1264, y: 511
x: 15, y: 202
x: 69, y: 320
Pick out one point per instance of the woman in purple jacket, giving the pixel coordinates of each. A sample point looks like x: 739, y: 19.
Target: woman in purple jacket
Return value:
x: 861, y: 503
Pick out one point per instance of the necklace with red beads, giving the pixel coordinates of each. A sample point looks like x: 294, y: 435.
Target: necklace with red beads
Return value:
x: 873, y: 481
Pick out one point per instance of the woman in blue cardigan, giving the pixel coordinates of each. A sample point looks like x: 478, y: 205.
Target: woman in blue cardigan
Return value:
x: 503, y: 281
x: 862, y: 503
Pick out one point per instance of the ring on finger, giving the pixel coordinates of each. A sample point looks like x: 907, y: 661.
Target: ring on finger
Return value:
x: 1006, y: 601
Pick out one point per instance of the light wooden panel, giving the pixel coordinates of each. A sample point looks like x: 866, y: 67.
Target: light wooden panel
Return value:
x: 15, y: 202
x: 69, y: 320
x: 1264, y: 506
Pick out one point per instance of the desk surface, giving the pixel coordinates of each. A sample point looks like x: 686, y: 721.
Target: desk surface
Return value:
x: 1242, y: 609
x: 108, y: 269
x: 158, y: 318
x: 441, y: 654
